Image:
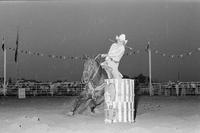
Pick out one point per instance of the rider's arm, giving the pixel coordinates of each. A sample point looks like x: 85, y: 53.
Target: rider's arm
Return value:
x: 104, y: 55
x: 111, y: 49
x: 116, y: 52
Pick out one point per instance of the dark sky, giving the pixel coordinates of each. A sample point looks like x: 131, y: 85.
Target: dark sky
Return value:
x: 80, y: 27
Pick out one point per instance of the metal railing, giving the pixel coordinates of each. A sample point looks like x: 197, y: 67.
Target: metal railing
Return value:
x: 74, y: 89
x: 45, y: 89
x: 171, y: 89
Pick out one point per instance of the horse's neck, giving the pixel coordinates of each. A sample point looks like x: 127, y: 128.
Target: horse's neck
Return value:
x: 99, y: 77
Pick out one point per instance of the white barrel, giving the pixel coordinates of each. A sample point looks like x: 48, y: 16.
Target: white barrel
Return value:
x: 119, y: 100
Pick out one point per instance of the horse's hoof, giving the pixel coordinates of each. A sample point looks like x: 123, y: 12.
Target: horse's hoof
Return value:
x: 97, y: 111
x: 70, y: 114
x: 92, y: 113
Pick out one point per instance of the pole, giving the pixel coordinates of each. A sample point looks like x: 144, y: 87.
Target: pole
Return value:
x: 4, y: 81
x: 150, y: 84
x: 16, y: 52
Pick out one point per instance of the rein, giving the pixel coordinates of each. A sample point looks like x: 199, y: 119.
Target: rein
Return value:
x: 91, y: 78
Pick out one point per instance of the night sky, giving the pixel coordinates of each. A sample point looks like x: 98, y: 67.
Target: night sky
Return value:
x: 79, y: 27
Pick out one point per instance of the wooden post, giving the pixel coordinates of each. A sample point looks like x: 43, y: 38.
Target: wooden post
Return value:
x: 150, y: 84
x: 4, y: 81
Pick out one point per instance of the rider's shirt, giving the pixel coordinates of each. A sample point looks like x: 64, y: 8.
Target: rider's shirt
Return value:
x: 116, y: 52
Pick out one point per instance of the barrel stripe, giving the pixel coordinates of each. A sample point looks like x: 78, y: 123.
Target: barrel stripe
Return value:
x: 133, y: 110
x: 125, y: 90
x: 133, y: 89
x: 117, y: 90
x: 120, y: 111
x: 128, y: 91
x: 123, y: 112
x: 114, y: 107
x: 122, y: 91
x: 129, y: 112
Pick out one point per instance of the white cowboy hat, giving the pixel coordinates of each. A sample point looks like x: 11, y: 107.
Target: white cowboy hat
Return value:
x: 122, y: 38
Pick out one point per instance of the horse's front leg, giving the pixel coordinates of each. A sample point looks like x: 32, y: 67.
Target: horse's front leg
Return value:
x: 81, y: 99
x: 99, y: 96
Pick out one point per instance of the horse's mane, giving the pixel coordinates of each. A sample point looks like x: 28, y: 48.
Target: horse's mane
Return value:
x: 95, y: 66
x: 93, y: 62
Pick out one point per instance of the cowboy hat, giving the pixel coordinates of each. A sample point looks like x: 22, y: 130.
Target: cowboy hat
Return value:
x: 122, y: 38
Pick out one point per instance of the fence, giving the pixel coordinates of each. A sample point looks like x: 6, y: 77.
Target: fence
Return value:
x: 171, y: 89
x: 74, y: 88
x: 46, y: 89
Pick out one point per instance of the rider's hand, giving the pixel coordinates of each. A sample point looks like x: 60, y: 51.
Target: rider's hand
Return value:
x: 103, y: 55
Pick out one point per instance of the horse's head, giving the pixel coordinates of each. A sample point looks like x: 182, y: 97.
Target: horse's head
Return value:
x: 90, y: 67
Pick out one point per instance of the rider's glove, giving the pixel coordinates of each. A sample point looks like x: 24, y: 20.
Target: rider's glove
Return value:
x: 103, y: 55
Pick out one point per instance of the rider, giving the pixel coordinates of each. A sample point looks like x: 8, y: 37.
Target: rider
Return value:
x: 114, y: 56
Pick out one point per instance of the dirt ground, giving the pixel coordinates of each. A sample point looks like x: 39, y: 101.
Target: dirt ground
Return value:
x: 157, y: 114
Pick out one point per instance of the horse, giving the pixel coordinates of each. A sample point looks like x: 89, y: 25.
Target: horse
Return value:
x: 93, y: 77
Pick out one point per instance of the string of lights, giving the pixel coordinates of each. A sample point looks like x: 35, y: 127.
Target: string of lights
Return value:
x: 84, y: 57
